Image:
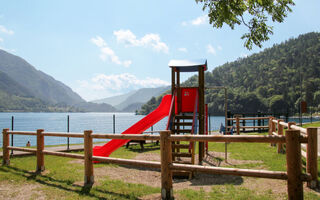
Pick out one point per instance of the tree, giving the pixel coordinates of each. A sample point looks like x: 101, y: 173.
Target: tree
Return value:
x: 251, y: 13
x: 278, y: 104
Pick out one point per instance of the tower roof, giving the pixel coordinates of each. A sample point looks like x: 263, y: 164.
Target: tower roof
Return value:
x: 188, y: 65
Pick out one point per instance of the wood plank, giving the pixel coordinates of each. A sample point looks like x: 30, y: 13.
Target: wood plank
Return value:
x: 181, y: 146
x: 230, y: 138
x: 231, y: 171
x: 183, y: 123
x: 184, y: 117
x: 182, y: 154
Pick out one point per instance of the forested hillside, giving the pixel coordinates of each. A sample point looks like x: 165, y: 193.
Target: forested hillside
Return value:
x: 23, y: 88
x: 16, y: 98
x: 38, y: 83
x: 268, y: 81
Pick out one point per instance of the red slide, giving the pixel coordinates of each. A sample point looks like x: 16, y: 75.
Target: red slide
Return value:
x: 142, y: 125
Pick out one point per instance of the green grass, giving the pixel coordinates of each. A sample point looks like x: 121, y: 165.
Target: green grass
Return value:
x: 60, y: 179
x: 225, y: 192
x: 268, y: 155
x: 314, y: 124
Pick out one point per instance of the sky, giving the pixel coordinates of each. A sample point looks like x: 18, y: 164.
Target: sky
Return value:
x: 106, y: 48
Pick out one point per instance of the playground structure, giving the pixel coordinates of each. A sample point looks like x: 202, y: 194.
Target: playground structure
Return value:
x: 187, y: 114
x: 185, y: 109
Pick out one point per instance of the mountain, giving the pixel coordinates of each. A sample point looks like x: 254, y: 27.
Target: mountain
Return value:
x: 16, y: 98
x: 39, y: 84
x: 268, y: 81
x: 133, y: 100
x: 95, y: 107
x: 140, y: 96
x: 24, y: 88
x: 115, y: 100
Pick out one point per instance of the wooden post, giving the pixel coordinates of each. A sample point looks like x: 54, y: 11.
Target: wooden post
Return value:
x: 294, y: 164
x: 312, y: 156
x: 243, y: 123
x: 173, y: 80
x: 88, y: 164
x: 201, y: 112
x: 5, y: 144
x: 273, y: 130
x: 270, y: 126
x: 238, y: 125
x: 280, y: 132
x: 178, y: 91
x: 166, y: 160
x: 289, y: 124
x: 40, y: 148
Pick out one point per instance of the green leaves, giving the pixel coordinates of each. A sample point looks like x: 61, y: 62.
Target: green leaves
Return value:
x: 254, y: 14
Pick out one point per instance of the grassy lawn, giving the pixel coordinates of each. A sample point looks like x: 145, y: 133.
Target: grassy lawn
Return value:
x: 63, y: 177
x: 314, y: 124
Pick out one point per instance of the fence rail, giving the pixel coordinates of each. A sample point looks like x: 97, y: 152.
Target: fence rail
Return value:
x: 260, y: 125
x: 292, y: 139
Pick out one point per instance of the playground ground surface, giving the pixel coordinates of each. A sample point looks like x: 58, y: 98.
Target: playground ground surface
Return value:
x: 63, y: 177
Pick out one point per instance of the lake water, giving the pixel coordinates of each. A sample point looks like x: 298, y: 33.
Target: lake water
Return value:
x: 98, y: 122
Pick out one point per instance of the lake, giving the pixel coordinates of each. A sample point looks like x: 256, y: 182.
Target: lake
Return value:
x: 98, y: 122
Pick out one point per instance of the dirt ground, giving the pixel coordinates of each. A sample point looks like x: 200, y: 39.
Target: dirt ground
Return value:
x: 27, y: 191
x: 200, y: 181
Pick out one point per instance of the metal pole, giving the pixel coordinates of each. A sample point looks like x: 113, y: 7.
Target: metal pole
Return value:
x: 12, y: 126
x: 68, y: 129
x: 114, y: 123
x: 210, y: 124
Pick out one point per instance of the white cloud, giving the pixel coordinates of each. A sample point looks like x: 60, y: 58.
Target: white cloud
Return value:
x: 1, y: 40
x: 219, y: 48
x: 182, y: 49
x: 126, y: 80
x: 107, y: 53
x: 197, y: 21
x: 102, y: 85
x: 6, y: 31
x: 149, y: 40
x: 211, y: 49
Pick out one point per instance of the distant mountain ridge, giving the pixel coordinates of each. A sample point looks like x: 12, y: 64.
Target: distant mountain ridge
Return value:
x: 114, y: 100
x: 133, y: 100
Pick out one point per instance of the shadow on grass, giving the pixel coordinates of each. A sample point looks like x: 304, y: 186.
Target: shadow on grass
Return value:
x: 147, y: 147
x: 202, y: 179
x: 67, y: 185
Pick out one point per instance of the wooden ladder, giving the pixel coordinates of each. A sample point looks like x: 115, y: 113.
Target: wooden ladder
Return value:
x: 183, y: 152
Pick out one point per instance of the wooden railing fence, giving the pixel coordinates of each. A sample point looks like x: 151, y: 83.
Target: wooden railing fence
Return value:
x: 277, y: 126
x: 292, y: 139
x: 238, y: 127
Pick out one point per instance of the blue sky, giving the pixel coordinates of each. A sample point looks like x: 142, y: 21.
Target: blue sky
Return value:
x: 106, y: 48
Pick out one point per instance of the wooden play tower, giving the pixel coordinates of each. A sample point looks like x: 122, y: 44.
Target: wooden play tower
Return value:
x: 188, y: 112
